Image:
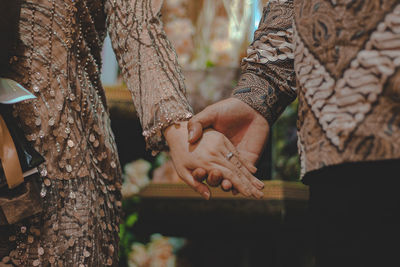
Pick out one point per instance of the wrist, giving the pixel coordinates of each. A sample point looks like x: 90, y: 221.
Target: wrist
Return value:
x: 175, y: 133
x: 254, y: 113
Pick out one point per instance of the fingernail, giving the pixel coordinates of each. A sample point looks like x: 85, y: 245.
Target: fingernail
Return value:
x: 206, y: 195
x: 191, y: 135
x: 257, y: 194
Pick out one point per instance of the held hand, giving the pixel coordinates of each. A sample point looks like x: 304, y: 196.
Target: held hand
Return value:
x: 242, y: 125
x: 212, y: 152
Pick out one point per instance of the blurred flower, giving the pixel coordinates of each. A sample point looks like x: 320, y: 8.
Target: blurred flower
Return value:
x: 158, y: 253
x: 166, y: 173
x: 180, y: 31
x: 135, y: 177
x: 138, y: 257
x: 222, y: 52
x: 207, y: 86
x: 175, y: 8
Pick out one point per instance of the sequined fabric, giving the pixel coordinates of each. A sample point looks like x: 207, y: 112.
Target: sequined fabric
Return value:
x: 78, y: 228
x: 345, y: 58
x: 58, y: 58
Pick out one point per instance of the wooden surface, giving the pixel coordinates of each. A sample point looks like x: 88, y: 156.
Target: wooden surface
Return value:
x: 175, y: 209
x: 228, y: 230
x: 273, y: 190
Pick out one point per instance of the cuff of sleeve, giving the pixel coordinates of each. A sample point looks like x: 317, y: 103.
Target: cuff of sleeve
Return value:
x: 261, y: 96
x: 153, y: 134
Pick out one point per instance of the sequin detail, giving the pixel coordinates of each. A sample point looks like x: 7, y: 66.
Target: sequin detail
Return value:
x: 58, y: 58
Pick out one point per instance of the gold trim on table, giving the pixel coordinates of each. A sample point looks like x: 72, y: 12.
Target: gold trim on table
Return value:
x: 273, y: 190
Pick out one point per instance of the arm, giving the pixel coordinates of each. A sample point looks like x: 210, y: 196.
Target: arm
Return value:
x: 265, y: 88
x: 267, y: 83
x: 149, y: 66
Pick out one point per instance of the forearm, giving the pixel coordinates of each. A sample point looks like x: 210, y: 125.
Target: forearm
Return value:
x: 149, y: 66
x: 267, y: 82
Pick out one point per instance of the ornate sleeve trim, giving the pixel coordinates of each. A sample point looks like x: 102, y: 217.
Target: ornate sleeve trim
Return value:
x: 261, y: 96
x: 167, y: 113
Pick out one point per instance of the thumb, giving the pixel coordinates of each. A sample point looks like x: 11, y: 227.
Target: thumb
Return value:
x: 200, y: 121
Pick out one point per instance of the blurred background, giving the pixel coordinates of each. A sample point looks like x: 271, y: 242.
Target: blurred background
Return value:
x: 210, y: 37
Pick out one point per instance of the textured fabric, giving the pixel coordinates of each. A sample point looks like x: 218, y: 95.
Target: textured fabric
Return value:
x: 149, y: 65
x: 345, y: 58
x: 268, y: 81
x: 58, y: 59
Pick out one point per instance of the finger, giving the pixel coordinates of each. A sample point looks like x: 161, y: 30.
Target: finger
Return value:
x: 229, y: 172
x: 257, y: 185
x: 252, y: 169
x: 199, y: 174
x: 241, y: 178
x: 226, y: 185
x: 201, y: 188
x: 199, y: 122
x: 195, y: 131
x: 214, y: 178
x: 253, y: 180
x: 237, y: 160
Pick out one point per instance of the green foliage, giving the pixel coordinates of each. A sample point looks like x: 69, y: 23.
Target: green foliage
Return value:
x: 126, y: 233
x: 210, y: 64
x: 160, y: 160
x: 285, y: 160
x: 130, y: 221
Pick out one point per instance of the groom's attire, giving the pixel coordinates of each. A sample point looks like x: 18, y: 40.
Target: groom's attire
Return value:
x: 342, y: 59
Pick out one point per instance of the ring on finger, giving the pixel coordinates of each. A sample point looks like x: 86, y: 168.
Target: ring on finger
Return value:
x: 236, y: 162
x: 229, y: 155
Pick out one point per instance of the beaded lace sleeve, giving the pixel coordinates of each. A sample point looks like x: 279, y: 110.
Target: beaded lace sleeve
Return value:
x: 149, y: 66
x: 267, y: 82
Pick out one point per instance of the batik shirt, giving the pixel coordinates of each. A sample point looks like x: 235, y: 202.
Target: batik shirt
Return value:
x: 341, y: 58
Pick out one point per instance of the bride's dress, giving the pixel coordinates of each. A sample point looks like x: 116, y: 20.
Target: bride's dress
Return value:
x: 58, y: 58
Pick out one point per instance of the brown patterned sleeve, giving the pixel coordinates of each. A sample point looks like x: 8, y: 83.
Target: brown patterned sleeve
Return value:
x: 268, y: 81
x: 149, y: 66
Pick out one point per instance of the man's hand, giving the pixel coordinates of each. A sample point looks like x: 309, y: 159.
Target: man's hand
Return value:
x: 241, y: 124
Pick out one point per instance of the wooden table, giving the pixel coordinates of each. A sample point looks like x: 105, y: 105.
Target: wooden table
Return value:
x: 232, y: 230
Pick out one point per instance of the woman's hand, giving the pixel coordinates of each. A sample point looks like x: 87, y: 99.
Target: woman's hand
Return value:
x: 213, y: 152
